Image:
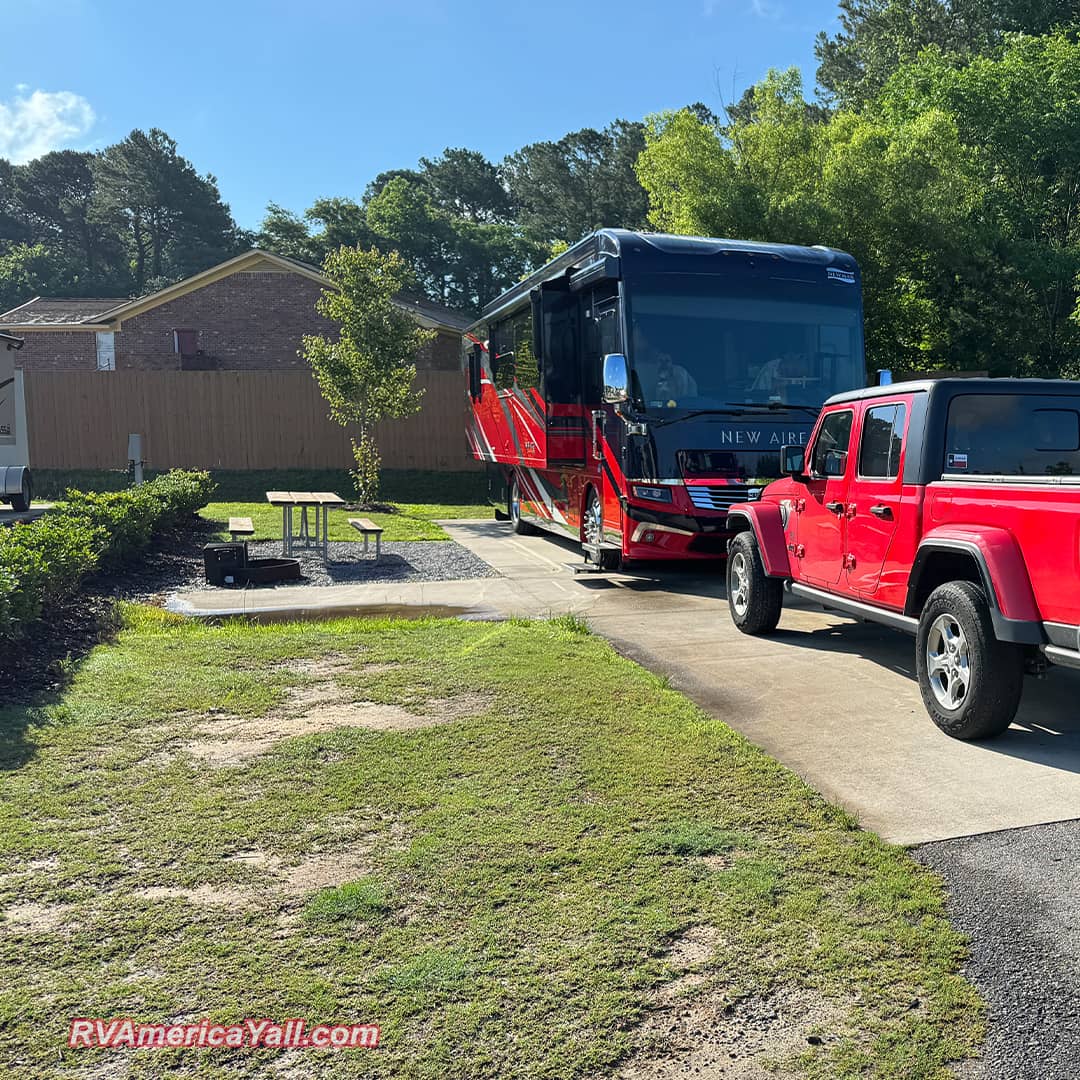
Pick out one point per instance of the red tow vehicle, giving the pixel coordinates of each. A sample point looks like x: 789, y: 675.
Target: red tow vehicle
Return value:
x: 947, y: 509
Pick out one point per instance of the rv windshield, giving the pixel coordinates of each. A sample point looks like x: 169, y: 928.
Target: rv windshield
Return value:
x: 707, y: 342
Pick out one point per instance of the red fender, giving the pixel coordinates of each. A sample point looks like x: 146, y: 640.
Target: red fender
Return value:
x: 1000, y: 561
x: 765, y: 520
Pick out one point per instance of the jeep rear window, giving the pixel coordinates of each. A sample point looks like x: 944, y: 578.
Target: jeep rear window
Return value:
x: 1013, y: 435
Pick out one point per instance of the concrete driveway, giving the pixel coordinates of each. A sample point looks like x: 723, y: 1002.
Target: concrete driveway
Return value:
x: 833, y: 699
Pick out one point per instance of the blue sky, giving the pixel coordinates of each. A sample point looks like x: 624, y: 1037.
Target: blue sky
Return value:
x: 288, y: 101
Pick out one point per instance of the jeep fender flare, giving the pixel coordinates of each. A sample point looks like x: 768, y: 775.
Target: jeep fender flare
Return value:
x: 1002, y: 573
x: 768, y: 528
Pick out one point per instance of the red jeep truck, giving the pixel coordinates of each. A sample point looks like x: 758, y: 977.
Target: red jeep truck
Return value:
x: 949, y: 509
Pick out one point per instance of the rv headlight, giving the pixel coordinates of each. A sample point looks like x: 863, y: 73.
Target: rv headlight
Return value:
x: 657, y: 494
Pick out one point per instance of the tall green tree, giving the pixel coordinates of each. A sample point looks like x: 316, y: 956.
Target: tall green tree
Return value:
x: 173, y: 220
x: 467, y: 186
x: 367, y: 372
x: 56, y: 194
x: 1018, y: 114
x: 585, y: 181
x: 27, y: 270
x: 876, y: 37
x: 900, y: 197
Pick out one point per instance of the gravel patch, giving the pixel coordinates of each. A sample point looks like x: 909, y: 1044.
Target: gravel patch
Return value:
x: 418, y: 560
x: 1014, y: 892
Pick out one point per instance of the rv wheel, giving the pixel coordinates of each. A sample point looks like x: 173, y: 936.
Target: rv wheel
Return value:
x: 522, y: 528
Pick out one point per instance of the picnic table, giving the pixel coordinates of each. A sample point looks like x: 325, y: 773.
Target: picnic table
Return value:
x: 320, y: 502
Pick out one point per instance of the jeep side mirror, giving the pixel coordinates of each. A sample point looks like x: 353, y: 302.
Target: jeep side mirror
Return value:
x: 792, y: 460
x: 616, y: 379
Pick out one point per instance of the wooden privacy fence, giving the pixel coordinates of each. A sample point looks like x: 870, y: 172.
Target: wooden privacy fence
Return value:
x: 227, y: 420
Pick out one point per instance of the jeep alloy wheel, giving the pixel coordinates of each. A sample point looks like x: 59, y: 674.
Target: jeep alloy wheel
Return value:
x: 754, y: 599
x: 948, y: 665
x: 740, y: 583
x: 970, y: 681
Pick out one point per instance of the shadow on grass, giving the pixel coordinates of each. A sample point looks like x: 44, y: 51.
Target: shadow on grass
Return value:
x: 36, y: 669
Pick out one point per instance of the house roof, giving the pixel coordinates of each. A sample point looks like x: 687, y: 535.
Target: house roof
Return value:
x: 435, y: 316
x: 109, y: 314
x: 58, y: 311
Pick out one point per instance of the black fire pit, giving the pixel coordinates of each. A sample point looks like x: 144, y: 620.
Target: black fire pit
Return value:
x: 267, y: 571
x: 229, y: 565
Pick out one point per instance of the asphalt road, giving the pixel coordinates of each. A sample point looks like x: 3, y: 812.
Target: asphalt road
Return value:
x: 1016, y: 893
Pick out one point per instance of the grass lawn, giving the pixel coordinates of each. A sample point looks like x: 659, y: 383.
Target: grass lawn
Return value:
x: 519, y: 853
x: 412, y: 521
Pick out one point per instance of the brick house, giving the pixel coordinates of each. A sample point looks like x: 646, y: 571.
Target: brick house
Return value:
x: 246, y: 314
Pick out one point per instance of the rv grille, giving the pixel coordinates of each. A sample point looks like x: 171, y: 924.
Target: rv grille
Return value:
x: 717, y: 496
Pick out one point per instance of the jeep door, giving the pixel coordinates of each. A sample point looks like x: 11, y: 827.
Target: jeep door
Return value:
x: 875, y: 493
x: 821, y: 514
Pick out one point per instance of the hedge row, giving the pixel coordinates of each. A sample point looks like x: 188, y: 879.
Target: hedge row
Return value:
x: 46, y: 560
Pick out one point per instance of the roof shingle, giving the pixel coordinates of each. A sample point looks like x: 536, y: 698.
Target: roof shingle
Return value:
x: 59, y: 311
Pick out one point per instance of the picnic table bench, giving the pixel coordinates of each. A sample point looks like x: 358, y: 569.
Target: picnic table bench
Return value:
x: 240, y: 526
x: 367, y: 528
x: 320, y: 501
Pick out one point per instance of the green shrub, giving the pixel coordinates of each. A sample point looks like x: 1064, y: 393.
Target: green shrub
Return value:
x: 46, y: 560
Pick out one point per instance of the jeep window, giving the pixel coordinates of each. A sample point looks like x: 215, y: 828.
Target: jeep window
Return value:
x: 882, y: 437
x: 832, y: 439
x: 1013, y: 435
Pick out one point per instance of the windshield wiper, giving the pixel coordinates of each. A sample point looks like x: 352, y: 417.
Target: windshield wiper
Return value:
x: 663, y: 422
x: 775, y: 406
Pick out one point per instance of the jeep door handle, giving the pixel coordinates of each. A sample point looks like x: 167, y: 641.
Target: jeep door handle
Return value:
x: 835, y: 507
x: 880, y: 511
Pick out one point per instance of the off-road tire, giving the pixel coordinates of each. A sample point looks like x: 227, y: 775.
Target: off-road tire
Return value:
x: 990, y: 671
x: 513, y: 509
x: 755, y: 600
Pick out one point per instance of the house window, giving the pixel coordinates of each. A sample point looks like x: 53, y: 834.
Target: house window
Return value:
x: 105, y: 341
x: 186, y: 343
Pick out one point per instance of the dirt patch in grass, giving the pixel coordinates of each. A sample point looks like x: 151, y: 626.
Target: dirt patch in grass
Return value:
x: 317, y: 667
x: 237, y: 899
x: 40, y: 918
x: 226, y: 739
x: 319, y: 870
x: 694, y: 1029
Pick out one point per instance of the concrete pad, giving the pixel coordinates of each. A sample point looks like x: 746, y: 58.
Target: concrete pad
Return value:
x: 12, y: 517
x: 833, y: 699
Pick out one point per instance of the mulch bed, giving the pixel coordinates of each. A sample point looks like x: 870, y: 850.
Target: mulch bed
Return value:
x: 39, y: 662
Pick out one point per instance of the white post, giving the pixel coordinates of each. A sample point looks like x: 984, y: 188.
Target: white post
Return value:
x: 135, y: 457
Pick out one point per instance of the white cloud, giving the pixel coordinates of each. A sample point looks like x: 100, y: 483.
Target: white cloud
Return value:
x: 765, y: 9
x: 762, y: 9
x: 34, y: 122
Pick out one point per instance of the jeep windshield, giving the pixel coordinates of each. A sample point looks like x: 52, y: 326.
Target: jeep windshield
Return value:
x: 1013, y: 435
x: 704, y: 342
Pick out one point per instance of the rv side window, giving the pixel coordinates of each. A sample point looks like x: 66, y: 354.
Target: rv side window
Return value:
x: 513, y: 358
x: 562, y: 356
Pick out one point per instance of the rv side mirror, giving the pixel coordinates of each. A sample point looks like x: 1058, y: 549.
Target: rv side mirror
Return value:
x: 616, y: 379
x: 792, y: 460
x: 476, y: 360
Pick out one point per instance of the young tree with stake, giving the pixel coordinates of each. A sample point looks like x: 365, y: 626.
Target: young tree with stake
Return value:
x: 367, y: 373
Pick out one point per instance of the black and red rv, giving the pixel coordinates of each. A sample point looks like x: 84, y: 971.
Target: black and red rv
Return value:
x: 631, y: 390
